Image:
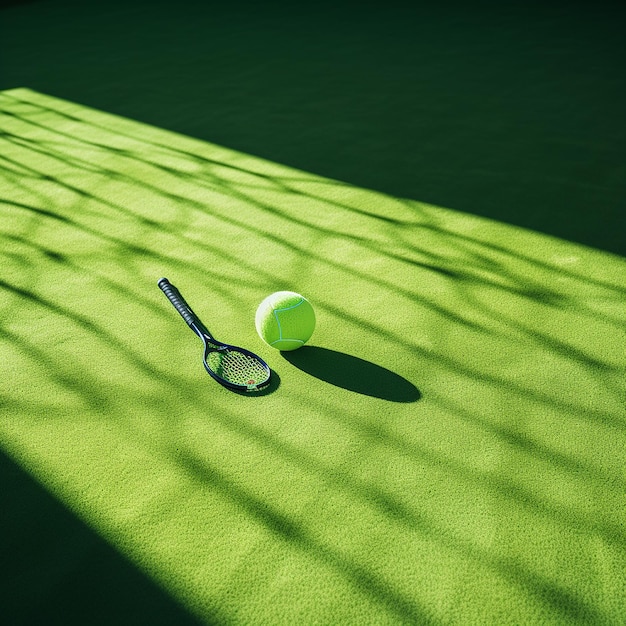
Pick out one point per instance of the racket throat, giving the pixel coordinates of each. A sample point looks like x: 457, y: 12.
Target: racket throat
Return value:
x: 214, y: 347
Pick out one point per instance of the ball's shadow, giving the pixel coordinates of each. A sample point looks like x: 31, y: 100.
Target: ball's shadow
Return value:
x: 353, y: 373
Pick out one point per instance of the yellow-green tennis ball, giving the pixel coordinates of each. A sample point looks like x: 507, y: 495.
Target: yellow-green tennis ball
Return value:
x: 285, y: 320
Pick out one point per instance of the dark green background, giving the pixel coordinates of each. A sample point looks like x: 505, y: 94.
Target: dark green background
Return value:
x: 512, y: 111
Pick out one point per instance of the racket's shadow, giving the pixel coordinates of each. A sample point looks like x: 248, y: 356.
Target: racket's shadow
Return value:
x: 353, y: 373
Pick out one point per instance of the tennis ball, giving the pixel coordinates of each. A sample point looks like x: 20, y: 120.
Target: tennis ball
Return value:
x: 285, y: 320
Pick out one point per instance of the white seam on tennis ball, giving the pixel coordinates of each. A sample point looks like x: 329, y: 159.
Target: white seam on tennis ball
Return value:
x: 279, y: 340
x: 280, y: 328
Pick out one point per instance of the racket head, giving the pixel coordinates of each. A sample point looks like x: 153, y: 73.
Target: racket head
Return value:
x: 236, y: 368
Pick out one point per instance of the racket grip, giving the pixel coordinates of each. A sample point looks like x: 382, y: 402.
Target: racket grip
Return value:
x: 174, y: 296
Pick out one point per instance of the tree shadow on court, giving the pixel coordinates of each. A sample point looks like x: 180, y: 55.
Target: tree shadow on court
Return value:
x: 443, y: 255
x: 353, y: 373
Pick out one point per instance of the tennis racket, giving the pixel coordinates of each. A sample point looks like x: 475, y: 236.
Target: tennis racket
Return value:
x: 235, y: 368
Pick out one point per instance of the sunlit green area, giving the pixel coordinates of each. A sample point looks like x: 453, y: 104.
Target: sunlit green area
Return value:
x: 450, y: 448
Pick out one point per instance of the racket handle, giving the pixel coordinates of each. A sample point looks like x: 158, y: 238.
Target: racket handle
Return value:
x: 173, y: 295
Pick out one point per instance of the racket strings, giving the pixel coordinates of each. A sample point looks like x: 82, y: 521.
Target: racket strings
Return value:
x: 237, y: 367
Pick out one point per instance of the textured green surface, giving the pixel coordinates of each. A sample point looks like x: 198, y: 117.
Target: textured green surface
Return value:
x: 450, y: 448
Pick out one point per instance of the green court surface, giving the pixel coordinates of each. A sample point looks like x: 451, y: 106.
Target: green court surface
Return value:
x: 448, y: 449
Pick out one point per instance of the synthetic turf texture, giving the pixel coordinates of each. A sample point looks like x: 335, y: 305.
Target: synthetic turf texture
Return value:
x: 449, y: 449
